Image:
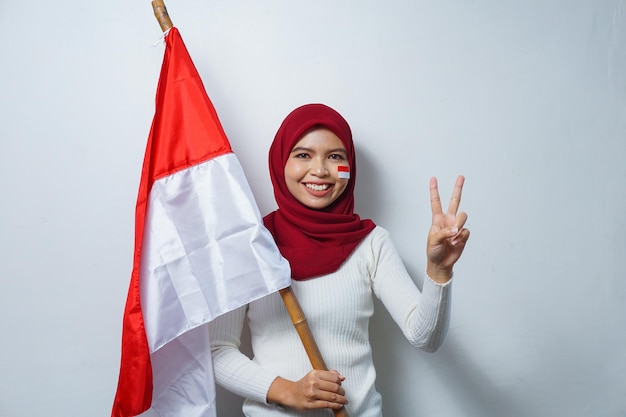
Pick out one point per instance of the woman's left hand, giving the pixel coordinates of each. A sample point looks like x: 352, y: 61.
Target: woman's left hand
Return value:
x: 447, y: 236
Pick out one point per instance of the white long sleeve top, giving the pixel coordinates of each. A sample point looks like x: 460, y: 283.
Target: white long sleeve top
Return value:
x: 338, y: 307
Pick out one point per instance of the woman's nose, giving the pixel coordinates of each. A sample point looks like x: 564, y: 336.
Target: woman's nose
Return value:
x: 319, y: 167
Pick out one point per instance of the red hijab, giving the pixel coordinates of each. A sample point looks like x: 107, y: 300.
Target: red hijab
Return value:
x: 315, y: 242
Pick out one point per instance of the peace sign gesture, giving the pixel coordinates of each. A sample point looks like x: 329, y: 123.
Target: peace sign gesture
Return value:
x: 447, y: 236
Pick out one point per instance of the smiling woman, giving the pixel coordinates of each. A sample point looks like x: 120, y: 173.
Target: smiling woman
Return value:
x: 339, y: 262
x: 313, y: 168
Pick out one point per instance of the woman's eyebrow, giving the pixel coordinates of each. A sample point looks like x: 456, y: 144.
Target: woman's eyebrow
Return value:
x: 300, y: 149
x: 305, y: 149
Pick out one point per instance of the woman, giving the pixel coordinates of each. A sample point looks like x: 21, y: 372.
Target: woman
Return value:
x: 339, y: 263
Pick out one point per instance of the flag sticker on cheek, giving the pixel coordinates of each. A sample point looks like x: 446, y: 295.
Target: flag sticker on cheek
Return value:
x: 343, y: 172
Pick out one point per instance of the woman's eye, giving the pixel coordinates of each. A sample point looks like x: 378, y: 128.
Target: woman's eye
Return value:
x: 301, y: 155
x: 337, y: 156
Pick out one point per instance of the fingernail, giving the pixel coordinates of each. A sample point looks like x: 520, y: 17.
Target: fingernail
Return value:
x: 454, y: 231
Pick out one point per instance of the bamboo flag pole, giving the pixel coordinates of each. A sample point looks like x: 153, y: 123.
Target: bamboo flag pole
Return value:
x: 289, y: 299
x: 302, y: 327
x: 160, y: 12
x: 308, y: 341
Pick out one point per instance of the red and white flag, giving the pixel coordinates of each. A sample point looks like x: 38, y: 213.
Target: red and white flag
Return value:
x: 200, y: 250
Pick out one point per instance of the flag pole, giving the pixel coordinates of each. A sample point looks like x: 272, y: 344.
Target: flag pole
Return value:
x: 289, y: 299
x: 308, y: 341
x: 160, y: 12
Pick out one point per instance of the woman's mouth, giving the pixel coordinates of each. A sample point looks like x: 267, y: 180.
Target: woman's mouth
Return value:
x: 317, y: 187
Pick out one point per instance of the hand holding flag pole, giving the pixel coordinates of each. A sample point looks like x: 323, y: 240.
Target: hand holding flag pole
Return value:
x: 289, y: 299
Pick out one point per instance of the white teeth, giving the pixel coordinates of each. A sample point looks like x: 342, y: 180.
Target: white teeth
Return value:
x: 318, y: 187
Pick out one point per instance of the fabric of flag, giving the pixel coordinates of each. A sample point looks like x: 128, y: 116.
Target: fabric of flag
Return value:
x: 200, y: 250
x: 343, y: 172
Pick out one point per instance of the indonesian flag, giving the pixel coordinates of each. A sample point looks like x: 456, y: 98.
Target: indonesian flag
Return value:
x: 200, y: 250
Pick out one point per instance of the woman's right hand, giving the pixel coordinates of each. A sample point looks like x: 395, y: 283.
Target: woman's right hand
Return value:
x: 317, y: 389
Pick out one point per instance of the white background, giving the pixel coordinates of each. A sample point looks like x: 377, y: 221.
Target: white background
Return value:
x: 526, y: 98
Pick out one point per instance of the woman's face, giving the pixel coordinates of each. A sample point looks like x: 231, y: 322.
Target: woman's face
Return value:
x: 312, y: 169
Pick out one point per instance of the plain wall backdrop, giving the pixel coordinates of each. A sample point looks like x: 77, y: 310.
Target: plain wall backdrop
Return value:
x: 527, y: 99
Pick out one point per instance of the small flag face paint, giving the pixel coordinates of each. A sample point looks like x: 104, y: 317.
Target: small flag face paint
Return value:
x: 343, y: 172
